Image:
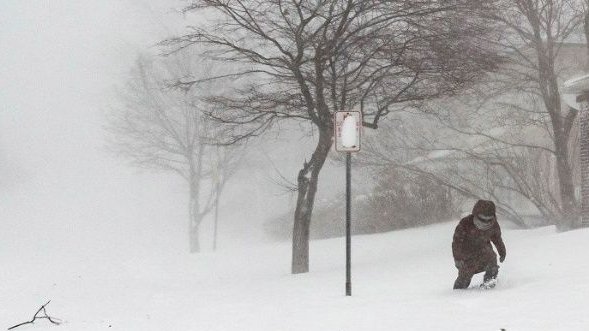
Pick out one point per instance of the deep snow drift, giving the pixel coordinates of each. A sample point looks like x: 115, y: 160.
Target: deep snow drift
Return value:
x: 401, y: 281
x: 107, y: 245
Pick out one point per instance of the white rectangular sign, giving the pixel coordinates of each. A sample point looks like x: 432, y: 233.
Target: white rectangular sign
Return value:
x: 348, y: 128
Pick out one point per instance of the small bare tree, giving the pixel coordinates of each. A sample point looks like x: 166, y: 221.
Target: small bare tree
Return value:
x: 163, y: 128
x: 306, y: 59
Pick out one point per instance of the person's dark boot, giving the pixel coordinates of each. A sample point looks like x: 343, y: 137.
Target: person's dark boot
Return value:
x: 461, y: 283
x: 489, y: 284
x: 490, y: 278
x: 491, y: 273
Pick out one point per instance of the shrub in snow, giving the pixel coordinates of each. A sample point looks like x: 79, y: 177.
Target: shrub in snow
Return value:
x: 399, y: 200
x: 402, y: 199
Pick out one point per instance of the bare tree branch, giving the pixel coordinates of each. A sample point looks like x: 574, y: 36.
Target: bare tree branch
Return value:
x: 36, y: 317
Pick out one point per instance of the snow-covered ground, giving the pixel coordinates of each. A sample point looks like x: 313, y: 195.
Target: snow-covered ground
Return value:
x: 401, y: 281
x: 107, y: 245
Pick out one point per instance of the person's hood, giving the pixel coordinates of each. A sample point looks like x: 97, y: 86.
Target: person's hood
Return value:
x: 484, y: 214
x: 484, y: 207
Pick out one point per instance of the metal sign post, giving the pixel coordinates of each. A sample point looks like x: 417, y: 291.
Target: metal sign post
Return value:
x: 348, y: 223
x: 348, y: 126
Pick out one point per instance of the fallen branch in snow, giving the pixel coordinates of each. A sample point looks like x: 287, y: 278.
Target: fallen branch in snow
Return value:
x: 35, y: 317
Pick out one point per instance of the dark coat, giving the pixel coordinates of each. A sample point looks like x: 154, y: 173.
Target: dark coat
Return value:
x: 471, y: 245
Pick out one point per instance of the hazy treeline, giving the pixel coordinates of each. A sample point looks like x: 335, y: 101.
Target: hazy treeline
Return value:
x: 460, y: 100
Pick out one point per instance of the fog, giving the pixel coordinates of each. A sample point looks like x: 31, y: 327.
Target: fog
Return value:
x: 62, y: 192
x: 108, y: 242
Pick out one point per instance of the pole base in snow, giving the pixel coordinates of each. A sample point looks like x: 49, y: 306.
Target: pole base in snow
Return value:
x: 348, y: 289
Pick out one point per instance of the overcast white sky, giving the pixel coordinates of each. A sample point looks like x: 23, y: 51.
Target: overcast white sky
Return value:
x: 59, y: 62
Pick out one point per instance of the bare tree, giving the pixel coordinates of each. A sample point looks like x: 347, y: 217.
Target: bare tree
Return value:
x: 538, y: 29
x: 304, y: 60
x: 510, y: 143
x: 511, y: 136
x: 162, y: 128
x: 470, y: 168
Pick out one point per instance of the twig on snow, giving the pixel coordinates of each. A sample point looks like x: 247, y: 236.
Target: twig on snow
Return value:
x: 36, y: 317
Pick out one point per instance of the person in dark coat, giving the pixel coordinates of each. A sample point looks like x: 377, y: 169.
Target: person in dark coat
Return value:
x: 472, y: 248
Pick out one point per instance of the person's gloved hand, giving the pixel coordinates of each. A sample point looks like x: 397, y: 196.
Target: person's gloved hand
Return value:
x: 459, y: 264
x: 502, y: 258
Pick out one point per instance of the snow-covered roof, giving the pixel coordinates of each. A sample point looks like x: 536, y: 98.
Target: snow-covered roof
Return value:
x: 572, y: 88
x: 435, y: 155
x: 577, y: 85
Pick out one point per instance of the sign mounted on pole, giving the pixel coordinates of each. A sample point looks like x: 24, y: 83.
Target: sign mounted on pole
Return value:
x: 348, y: 128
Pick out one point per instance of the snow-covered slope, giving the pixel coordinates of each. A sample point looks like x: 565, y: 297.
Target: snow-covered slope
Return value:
x: 401, y: 281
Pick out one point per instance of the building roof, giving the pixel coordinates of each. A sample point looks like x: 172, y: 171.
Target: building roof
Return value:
x: 577, y: 85
x: 575, y: 91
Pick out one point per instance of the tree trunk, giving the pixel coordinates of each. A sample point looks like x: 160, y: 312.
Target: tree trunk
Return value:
x: 569, y: 208
x: 216, y: 227
x: 307, y: 188
x: 194, y: 212
x: 193, y: 225
x: 194, y: 240
x: 562, y: 126
x: 586, y: 28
